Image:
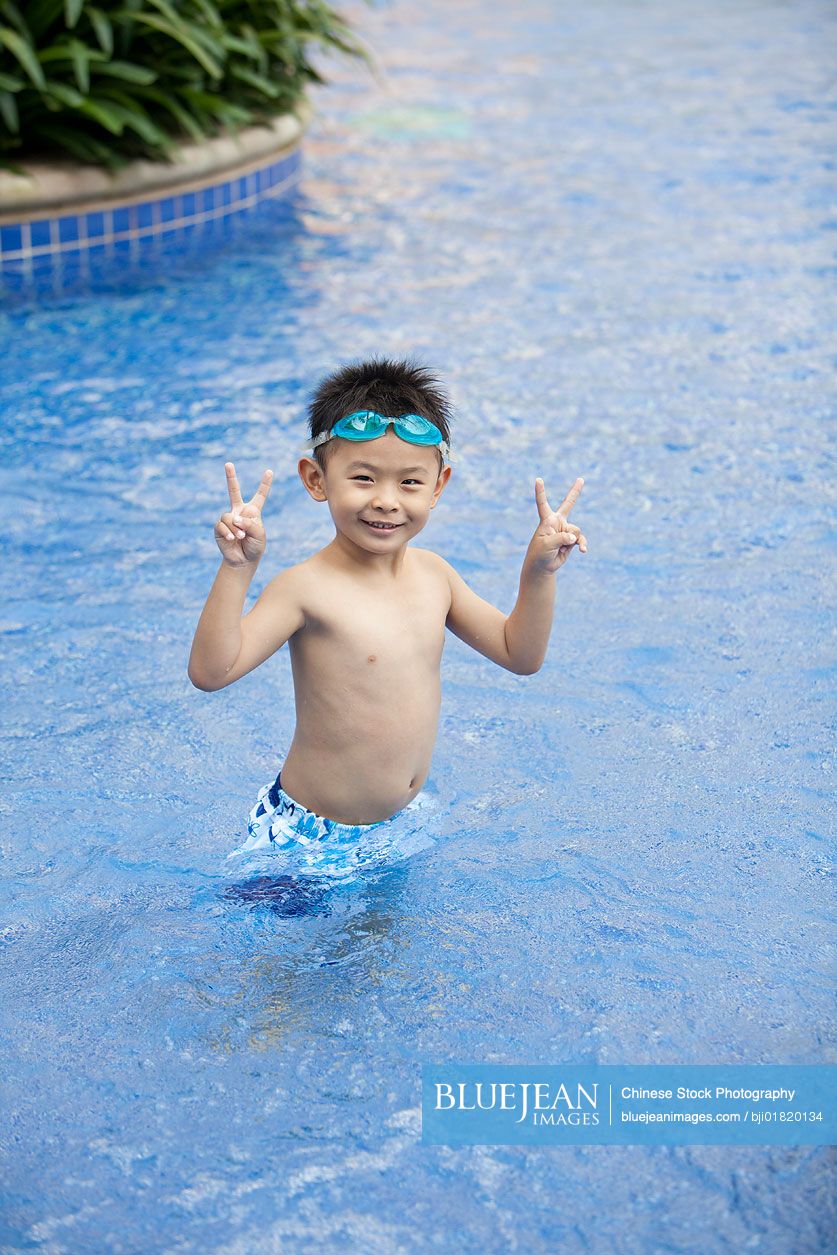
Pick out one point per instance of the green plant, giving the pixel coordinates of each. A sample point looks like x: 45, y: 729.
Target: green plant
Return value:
x: 108, y: 82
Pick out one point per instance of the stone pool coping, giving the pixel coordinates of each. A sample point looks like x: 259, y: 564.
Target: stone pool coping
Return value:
x: 52, y: 188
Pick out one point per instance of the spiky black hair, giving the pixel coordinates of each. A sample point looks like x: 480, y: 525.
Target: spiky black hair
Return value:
x: 384, y: 384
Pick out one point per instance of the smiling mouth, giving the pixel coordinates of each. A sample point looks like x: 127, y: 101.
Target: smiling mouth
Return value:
x: 381, y: 527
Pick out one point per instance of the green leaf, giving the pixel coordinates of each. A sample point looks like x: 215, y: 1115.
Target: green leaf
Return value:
x: 66, y: 95
x: 217, y: 107
x: 142, y: 125
x: 259, y: 50
x: 103, y: 27
x: 72, y: 9
x: 136, y: 117
x: 13, y: 13
x: 258, y: 81
x: 167, y: 101
x: 210, y: 12
x: 81, y: 64
x: 63, y: 51
x: 195, y: 30
x: 103, y: 114
x: 158, y: 23
x: 9, y: 83
x: 128, y: 71
x: 25, y: 54
x: 233, y: 44
x: 8, y: 110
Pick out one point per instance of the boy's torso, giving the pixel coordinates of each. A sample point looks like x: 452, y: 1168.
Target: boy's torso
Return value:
x: 366, y: 670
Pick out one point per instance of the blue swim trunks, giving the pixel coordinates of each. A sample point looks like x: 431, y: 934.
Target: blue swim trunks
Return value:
x: 279, y: 826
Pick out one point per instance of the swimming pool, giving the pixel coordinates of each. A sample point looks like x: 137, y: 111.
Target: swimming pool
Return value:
x: 609, y: 229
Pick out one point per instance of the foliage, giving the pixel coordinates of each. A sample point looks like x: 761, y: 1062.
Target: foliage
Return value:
x: 105, y: 83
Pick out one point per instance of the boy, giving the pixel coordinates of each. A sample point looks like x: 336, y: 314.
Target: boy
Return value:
x: 365, y: 617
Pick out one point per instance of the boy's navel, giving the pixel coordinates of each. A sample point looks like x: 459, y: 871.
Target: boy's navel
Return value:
x: 372, y: 657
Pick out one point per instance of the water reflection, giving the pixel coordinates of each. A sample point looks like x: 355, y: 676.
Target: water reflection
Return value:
x: 193, y: 251
x: 295, y: 932
x: 285, y: 894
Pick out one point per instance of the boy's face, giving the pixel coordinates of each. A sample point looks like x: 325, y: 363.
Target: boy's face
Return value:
x: 386, y: 480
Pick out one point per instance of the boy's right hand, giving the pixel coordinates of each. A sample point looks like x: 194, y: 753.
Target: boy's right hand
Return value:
x: 240, y: 532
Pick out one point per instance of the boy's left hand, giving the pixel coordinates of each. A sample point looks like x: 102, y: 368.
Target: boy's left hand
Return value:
x: 552, y: 543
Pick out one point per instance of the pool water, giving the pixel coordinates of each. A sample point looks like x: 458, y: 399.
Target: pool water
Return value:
x: 610, y: 227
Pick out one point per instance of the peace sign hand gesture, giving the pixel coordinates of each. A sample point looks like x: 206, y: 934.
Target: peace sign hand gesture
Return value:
x: 552, y: 543
x: 239, y: 531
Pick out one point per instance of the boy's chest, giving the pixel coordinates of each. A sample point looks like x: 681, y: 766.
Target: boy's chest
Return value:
x: 359, y: 625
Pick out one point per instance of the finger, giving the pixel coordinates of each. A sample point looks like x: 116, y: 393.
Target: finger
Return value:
x: 557, y: 523
x: 232, y: 485
x: 232, y: 519
x: 571, y: 497
x: 260, y: 495
x: 580, y: 538
x: 544, y: 508
x: 251, y: 523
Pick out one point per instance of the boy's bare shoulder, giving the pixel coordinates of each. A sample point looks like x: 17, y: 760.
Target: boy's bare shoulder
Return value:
x: 428, y: 555
x: 436, y: 565
x: 433, y: 561
x: 289, y: 586
x: 428, y: 560
x: 300, y: 576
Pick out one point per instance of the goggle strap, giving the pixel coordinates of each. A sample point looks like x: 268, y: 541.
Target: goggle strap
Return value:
x: 444, y: 447
x: 446, y: 452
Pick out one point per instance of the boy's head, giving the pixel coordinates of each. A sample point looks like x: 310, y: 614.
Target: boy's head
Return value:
x: 384, y: 480
x: 389, y: 387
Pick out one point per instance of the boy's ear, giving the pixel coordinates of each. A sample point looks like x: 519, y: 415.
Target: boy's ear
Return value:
x: 312, y: 477
x: 444, y: 476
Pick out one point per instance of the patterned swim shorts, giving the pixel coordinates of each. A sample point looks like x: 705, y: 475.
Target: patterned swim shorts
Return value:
x: 313, y: 844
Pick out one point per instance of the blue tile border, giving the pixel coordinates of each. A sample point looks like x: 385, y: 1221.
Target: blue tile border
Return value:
x: 150, y: 219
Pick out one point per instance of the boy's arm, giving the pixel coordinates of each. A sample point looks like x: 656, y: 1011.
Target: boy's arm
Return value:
x: 516, y: 641
x: 519, y: 641
x: 227, y: 646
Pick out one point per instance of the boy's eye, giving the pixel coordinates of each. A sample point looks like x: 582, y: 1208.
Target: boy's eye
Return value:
x: 404, y: 481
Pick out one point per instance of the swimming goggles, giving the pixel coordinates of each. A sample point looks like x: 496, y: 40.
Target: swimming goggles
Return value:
x: 368, y: 425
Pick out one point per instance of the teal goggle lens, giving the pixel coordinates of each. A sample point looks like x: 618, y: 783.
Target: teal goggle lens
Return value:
x: 366, y: 425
